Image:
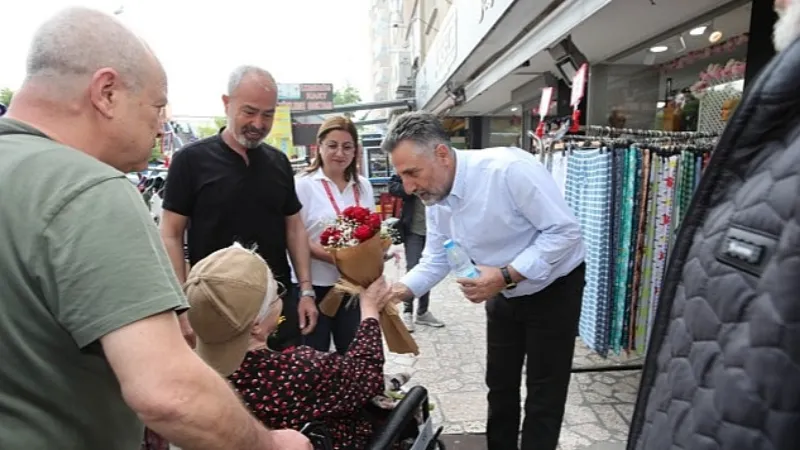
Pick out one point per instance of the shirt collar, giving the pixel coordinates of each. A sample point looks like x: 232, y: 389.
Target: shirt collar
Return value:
x: 320, y: 175
x: 460, y: 178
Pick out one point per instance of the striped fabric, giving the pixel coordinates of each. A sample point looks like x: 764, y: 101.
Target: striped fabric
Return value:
x: 588, y: 192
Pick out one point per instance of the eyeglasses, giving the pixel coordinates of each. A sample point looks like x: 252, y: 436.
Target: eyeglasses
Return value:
x: 347, y: 148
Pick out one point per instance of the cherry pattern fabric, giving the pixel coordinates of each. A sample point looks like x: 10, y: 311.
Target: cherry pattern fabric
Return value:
x: 302, y: 385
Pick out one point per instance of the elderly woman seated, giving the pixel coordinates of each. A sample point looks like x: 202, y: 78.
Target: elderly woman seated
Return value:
x: 234, y: 307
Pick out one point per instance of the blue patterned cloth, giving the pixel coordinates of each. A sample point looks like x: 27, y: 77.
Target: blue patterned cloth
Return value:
x: 589, y: 193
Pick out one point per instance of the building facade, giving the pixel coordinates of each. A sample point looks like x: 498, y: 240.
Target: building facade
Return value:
x: 486, y: 61
x: 380, y: 15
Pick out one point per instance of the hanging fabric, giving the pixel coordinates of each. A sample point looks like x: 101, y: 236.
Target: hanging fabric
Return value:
x: 629, y: 190
x: 588, y: 193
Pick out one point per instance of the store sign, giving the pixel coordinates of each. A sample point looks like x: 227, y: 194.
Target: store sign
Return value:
x: 578, y: 86
x: 544, y: 102
x: 444, y: 51
x: 280, y: 136
x: 466, y: 24
x: 306, y: 96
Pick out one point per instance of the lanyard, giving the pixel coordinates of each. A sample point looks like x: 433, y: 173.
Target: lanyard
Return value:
x: 328, y: 191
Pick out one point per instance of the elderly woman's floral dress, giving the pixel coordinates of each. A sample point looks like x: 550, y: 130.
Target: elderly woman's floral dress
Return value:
x: 301, y: 385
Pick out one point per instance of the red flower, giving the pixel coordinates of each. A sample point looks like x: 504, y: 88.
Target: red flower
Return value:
x: 330, y: 236
x: 348, y: 212
x: 356, y: 213
x: 363, y: 232
x: 374, y: 221
x: 325, y: 237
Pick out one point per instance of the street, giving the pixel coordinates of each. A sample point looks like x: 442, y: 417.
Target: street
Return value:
x: 451, y: 366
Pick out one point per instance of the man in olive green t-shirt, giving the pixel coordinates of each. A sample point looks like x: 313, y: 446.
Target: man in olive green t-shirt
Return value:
x: 91, y: 346
x: 75, y: 239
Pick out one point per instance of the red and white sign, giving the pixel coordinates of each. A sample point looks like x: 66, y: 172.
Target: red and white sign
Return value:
x: 578, y: 85
x: 544, y: 103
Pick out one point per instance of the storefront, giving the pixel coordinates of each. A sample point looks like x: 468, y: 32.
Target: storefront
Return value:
x: 688, y: 80
x: 678, y: 65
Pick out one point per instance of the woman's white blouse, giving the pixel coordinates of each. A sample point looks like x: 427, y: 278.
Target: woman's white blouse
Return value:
x: 318, y: 212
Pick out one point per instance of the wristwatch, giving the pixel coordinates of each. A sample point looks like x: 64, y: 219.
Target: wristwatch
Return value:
x: 510, y: 284
x: 308, y: 293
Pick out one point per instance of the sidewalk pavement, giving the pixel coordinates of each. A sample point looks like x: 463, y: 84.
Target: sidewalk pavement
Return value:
x: 451, y: 366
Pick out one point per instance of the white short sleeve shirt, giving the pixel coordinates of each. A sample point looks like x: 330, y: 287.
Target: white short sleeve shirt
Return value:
x: 319, y: 211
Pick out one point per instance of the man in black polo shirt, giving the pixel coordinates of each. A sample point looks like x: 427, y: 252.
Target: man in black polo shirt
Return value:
x: 234, y: 187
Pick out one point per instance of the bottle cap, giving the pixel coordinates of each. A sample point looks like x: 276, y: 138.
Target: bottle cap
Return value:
x: 449, y: 243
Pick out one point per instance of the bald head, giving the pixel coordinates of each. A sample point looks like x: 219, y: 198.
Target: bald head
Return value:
x: 77, y: 42
x: 95, y: 86
x: 243, y: 72
x: 249, y: 106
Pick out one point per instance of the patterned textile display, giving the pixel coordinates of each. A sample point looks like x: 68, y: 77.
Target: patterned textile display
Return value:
x: 588, y: 192
x: 630, y: 201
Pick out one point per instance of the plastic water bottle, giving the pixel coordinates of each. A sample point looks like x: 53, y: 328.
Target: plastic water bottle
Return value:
x: 459, y: 260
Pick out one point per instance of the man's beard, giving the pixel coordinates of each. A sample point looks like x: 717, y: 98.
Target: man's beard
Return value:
x: 787, y: 28
x: 431, y: 200
x: 435, y: 198
x: 244, y: 141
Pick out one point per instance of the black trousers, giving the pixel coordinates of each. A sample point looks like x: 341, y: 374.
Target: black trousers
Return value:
x: 343, y: 326
x: 541, y: 326
x: 414, y: 246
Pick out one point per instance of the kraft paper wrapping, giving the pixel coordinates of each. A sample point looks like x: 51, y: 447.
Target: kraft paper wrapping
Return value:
x: 360, y: 266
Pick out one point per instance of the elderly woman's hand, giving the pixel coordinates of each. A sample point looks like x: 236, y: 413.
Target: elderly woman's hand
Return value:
x: 374, y: 298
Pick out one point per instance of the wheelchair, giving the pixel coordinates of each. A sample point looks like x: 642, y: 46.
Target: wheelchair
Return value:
x: 399, y: 426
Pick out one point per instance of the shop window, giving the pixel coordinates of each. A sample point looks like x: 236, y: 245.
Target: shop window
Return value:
x: 504, y: 131
x: 688, y: 82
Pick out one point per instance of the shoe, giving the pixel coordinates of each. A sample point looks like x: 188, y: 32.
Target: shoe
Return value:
x: 408, y: 321
x: 428, y: 319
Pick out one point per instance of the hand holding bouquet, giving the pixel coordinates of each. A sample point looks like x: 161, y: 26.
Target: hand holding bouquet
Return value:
x: 357, y: 241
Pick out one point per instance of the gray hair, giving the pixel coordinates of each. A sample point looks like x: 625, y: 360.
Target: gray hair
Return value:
x: 238, y: 74
x: 420, y: 127
x: 271, y: 295
x: 79, y: 41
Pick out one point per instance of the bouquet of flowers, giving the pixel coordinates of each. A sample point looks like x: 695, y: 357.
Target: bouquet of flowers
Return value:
x: 358, y: 241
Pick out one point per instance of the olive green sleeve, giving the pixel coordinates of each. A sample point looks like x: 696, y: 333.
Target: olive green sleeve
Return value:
x: 107, y: 265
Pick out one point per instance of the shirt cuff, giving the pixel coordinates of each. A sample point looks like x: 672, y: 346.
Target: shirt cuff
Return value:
x: 416, y: 284
x: 531, y: 266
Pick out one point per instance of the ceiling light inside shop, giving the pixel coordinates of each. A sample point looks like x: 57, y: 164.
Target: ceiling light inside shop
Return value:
x: 715, y: 37
x: 514, y: 109
x: 699, y: 31
x: 659, y: 49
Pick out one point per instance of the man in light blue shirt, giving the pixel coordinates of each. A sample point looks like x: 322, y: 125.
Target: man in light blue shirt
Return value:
x: 507, y: 212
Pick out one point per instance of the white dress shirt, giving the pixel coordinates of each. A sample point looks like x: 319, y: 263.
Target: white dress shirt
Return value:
x: 318, y: 212
x: 504, y: 209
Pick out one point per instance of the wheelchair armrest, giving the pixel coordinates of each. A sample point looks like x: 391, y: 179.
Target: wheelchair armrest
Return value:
x: 400, y: 417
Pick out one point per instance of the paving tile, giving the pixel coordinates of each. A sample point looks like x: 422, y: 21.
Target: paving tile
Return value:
x: 452, y: 362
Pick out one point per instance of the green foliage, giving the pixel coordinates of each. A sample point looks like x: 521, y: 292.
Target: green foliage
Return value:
x: 204, y: 131
x: 155, y: 153
x: 5, y: 96
x: 346, y: 96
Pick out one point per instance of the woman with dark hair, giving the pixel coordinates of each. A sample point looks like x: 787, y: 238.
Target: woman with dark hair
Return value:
x: 329, y: 185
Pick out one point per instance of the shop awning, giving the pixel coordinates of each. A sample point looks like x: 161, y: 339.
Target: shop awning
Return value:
x: 564, y: 19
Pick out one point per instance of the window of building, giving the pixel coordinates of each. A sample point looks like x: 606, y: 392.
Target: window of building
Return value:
x: 504, y: 131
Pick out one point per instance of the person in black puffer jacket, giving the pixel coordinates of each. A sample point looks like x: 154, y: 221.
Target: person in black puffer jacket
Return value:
x: 723, y: 367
